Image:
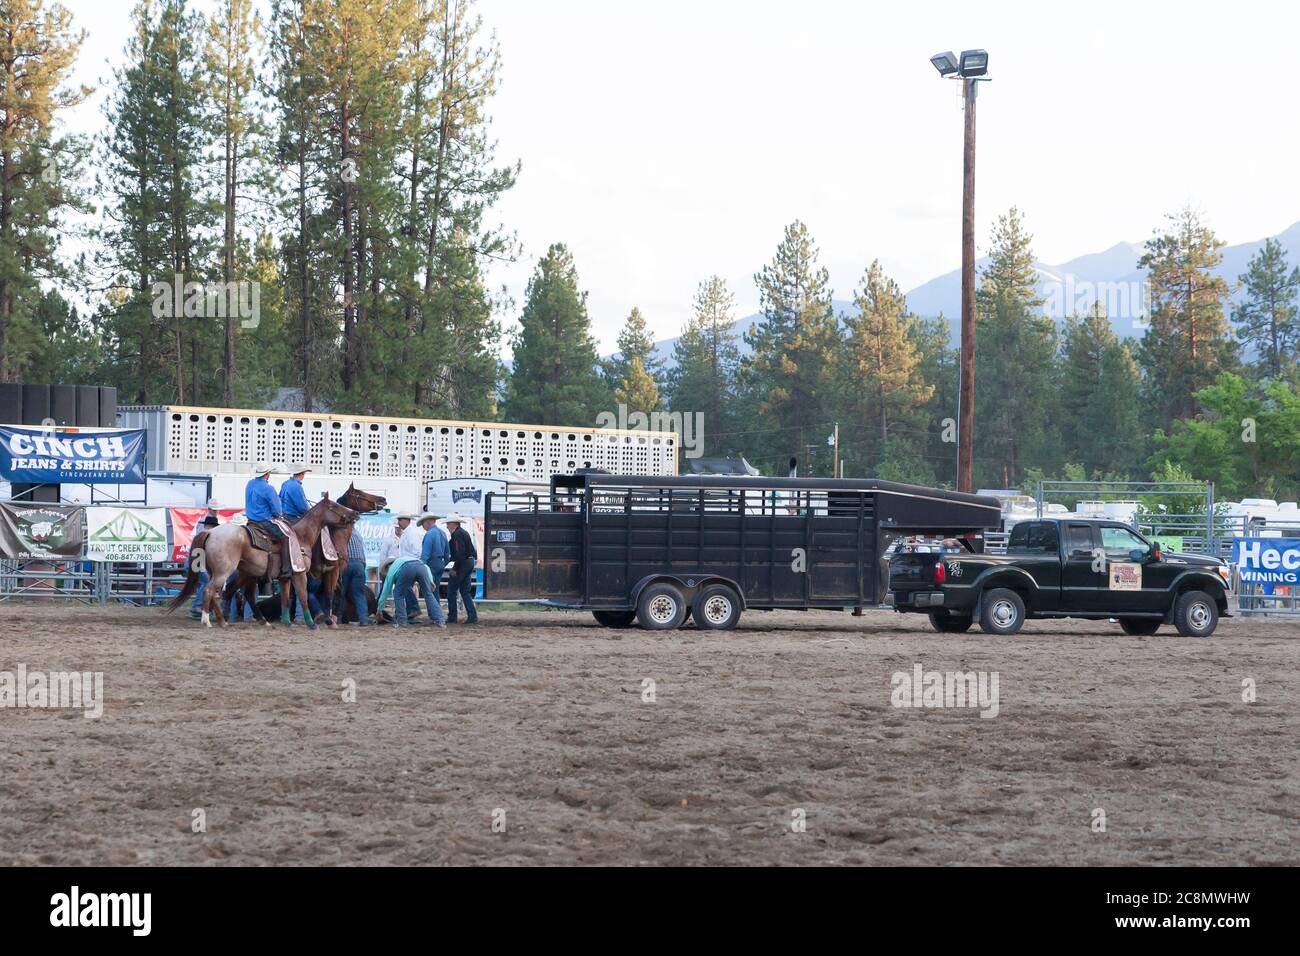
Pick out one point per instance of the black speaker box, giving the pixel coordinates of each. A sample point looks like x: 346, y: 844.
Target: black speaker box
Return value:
x: 36, y: 404
x: 63, y: 404
x: 88, y: 406
x: 107, y: 406
x: 11, y: 403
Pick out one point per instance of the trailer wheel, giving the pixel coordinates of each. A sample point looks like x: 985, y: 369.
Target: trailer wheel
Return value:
x: 1139, y: 626
x: 1001, y: 612
x: 661, y: 608
x: 716, y: 608
x: 945, y: 622
x: 614, y: 618
x: 1196, y: 614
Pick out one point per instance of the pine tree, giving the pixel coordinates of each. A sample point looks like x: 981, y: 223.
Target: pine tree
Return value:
x: 1099, y: 407
x: 149, y: 176
x: 634, y: 341
x: 229, y: 73
x: 1014, y: 362
x: 449, y: 181
x: 637, y: 391
x: 937, y: 366
x: 789, y: 373
x: 705, y: 361
x: 880, y: 378
x: 310, y: 313
x: 1186, y: 345
x: 38, y: 172
x: 1268, y: 320
x: 555, y: 377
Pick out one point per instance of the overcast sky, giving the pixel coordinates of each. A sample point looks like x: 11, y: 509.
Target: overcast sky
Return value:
x: 667, y: 141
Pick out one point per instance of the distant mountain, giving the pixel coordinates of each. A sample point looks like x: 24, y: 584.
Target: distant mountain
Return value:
x: 1111, y: 276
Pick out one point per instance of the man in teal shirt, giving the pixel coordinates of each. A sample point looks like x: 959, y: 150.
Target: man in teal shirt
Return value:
x: 402, y: 574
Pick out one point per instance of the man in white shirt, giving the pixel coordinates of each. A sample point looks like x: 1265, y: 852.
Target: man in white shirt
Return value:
x: 411, y: 542
x: 390, y: 547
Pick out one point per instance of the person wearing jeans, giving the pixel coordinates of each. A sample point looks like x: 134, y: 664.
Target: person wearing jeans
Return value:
x: 403, y: 574
x: 434, y: 550
x: 353, y: 581
x: 464, y: 556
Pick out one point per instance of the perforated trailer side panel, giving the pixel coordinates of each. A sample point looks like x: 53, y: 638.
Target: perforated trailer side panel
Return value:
x: 225, y: 440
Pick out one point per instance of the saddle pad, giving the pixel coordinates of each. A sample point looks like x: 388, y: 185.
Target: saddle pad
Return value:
x: 327, y: 546
x: 295, y: 552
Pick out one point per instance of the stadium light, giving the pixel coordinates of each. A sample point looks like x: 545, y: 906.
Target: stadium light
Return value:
x: 973, y: 63
x: 945, y: 63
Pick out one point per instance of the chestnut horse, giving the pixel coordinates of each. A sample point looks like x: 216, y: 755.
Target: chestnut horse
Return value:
x: 362, y: 502
x: 227, y: 549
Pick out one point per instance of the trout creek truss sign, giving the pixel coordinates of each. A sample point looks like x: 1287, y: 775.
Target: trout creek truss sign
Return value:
x: 126, y: 534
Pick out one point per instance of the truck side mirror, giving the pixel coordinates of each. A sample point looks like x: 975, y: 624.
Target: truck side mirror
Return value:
x: 1137, y: 554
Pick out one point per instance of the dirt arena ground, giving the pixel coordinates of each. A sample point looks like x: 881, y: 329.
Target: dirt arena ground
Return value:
x: 539, y: 720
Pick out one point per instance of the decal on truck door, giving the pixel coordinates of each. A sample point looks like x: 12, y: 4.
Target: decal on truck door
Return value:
x: 1126, y: 577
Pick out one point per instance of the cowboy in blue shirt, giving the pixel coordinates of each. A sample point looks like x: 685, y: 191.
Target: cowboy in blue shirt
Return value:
x: 293, y: 499
x: 262, y: 506
x: 434, y: 550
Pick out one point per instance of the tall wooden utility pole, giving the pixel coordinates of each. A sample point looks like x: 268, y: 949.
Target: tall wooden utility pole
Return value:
x: 966, y: 406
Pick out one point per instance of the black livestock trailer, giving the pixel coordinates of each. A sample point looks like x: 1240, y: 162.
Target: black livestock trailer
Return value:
x: 656, y: 550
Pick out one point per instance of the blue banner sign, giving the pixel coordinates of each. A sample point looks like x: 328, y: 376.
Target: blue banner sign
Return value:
x: 1267, y: 560
x: 72, y: 456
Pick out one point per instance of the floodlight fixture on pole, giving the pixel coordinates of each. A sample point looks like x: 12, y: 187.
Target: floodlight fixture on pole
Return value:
x: 946, y: 63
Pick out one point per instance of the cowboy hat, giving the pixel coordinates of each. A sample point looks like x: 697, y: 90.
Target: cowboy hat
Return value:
x: 427, y: 516
x: 298, y: 468
x: 454, y: 518
x: 405, y: 514
x: 212, y: 504
x: 264, y: 468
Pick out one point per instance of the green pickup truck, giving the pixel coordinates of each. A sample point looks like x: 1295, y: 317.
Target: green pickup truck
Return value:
x: 1067, y: 567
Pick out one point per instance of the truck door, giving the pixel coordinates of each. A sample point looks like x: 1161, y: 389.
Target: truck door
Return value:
x: 1141, y: 586
x: 1081, y: 582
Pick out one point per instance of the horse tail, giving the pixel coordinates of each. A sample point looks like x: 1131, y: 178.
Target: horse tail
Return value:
x: 191, y: 578
x: 187, y: 592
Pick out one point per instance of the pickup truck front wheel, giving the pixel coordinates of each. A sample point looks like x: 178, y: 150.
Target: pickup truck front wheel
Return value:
x: 946, y: 623
x: 1001, y: 612
x: 1196, y: 614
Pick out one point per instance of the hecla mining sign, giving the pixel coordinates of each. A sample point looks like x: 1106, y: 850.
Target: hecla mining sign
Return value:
x: 1267, y: 560
x: 72, y: 455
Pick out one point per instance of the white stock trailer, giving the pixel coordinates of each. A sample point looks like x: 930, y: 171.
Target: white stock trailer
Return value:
x: 396, y: 457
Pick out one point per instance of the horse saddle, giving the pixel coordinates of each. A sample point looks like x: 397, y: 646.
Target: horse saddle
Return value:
x: 263, y: 542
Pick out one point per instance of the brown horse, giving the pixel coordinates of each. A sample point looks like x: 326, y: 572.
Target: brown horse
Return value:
x: 227, y: 548
x: 362, y: 502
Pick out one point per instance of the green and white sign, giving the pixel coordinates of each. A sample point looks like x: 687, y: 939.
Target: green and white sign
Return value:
x: 126, y: 534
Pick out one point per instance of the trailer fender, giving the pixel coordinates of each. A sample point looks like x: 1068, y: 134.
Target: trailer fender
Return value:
x: 688, y: 584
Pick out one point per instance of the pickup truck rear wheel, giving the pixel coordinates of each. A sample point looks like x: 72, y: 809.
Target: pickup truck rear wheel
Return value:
x: 661, y: 608
x: 1001, y: 612
x: 1196, y: 614
x: 948, y: 623
x: 1139, y: 625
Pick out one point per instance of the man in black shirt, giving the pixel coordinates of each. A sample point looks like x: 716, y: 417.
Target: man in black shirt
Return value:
x: 464, y: 556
